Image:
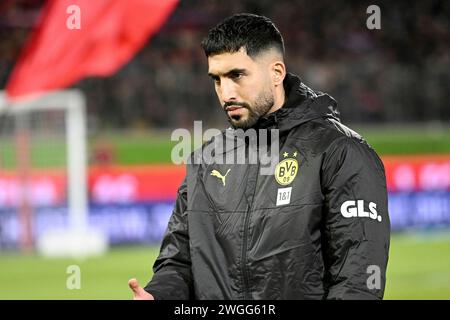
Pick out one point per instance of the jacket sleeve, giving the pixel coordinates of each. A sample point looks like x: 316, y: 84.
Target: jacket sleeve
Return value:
x: 172, y: 277
x: 356, y: 221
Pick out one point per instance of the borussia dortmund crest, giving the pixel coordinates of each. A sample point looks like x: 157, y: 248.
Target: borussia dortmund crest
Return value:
x: 286, y: 170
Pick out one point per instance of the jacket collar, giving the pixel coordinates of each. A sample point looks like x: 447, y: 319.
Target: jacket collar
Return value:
x: 302, y: 105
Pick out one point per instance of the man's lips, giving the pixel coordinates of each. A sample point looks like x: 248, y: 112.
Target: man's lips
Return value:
x: 234, y: 111
x: 232, y: 108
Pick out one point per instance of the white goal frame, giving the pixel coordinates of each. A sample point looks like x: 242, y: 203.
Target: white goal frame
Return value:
x: 73, y: 102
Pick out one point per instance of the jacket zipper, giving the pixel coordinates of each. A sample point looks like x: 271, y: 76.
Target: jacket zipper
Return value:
x: 245, y: 236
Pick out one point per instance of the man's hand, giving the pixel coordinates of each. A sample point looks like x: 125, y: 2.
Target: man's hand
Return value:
x: 138, y: 292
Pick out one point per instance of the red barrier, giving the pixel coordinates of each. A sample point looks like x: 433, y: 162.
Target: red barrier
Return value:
x: 135, y: 183
x: 417, y: 173
x: 127, y: 184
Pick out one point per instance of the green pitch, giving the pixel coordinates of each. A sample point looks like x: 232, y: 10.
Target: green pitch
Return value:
x: 419, y: 268
x: 136, y: 148
x: 145, y: 148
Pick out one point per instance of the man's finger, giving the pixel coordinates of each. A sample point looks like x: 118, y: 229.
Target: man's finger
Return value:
x: 134, y: 285
x: 138, y: 292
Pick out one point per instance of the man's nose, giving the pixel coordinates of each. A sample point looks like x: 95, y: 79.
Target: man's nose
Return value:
x: 228, y: 91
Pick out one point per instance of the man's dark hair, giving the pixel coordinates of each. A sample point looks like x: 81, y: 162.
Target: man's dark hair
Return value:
x: 252, y: 32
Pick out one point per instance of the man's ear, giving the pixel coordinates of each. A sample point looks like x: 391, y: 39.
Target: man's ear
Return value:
x: 278, y: 71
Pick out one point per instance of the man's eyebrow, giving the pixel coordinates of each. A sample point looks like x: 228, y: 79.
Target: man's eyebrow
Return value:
x: 212, y: 75
x: 228, y: 73
x: 234, y: 71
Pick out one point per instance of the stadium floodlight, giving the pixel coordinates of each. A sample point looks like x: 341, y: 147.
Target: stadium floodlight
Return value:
x: 79, y: 239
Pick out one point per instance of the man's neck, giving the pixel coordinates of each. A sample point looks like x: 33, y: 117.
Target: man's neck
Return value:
x: 279, y: 99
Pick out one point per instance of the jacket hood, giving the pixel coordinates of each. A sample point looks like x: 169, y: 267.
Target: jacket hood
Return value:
x: 302, y: 105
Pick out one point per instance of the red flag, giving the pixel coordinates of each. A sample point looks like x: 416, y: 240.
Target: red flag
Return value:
x: 79, y: 38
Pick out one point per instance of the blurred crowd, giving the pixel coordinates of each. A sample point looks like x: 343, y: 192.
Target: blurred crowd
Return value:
x: 398, y: 74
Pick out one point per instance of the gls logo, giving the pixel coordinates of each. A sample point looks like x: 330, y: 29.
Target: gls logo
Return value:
x: 352, y: 208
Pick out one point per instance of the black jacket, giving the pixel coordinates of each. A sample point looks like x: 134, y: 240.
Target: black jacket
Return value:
x: 324, y: 235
